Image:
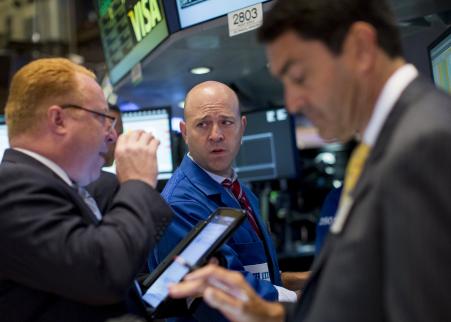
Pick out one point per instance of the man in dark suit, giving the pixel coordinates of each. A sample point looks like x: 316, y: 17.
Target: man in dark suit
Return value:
x: 106, y: 186
x: 62, y: 259
x: 387, y: 257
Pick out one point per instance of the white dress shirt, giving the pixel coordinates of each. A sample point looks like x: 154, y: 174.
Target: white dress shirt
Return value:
x: 390, y: 93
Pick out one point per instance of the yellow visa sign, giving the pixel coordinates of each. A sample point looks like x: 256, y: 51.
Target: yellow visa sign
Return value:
x: 144, y: 17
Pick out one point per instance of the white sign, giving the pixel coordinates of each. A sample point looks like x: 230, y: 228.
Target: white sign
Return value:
x: 136, y: 74
x: 245, y: 19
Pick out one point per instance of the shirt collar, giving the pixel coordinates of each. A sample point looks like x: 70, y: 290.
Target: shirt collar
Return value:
x: 219, y: 179
x: 49, y: 164
x: 390, y: 93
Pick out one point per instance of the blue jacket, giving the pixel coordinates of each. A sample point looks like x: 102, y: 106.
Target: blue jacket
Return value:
x: 193, y: 195
x: 326, y: 217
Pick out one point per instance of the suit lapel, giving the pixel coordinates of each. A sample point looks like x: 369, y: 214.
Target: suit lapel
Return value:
x: 202, y: 181
x: 14, y: 156
x: 407, y: 98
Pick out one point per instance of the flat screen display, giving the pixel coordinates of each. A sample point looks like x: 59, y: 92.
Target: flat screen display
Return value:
x: 440, y: 61
x: 268, y: 149
x: 193, y: 250
x: 192, y: 12
x: 191, y: 255
x: 157, y: 121
x: 130, y: 30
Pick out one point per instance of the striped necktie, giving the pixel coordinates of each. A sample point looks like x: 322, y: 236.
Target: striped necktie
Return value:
x: 239, y: 194
x: 89, y: 201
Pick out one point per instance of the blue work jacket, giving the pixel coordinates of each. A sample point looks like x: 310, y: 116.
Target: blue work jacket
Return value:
x: 193, y: 195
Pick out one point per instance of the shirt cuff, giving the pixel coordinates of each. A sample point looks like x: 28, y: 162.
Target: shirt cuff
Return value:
x: 285, y: 295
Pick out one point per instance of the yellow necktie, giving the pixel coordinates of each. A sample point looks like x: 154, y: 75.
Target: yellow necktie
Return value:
x: 354, y: 167
x: 353, y: 171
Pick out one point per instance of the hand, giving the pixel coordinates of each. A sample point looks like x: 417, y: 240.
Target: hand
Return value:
x: 295, y: 281
x: 136, y: 157
x: 228, y: 292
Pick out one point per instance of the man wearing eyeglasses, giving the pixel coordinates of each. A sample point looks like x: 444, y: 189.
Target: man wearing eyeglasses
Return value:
x: 63, y: 259
x: 106, y: 186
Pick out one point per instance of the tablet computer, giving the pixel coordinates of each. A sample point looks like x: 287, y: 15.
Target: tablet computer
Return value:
x: 193, y: 251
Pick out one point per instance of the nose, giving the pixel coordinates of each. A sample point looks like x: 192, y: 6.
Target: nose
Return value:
x: 295, y: 99
x: 216, y: 134
x: 111, y: 135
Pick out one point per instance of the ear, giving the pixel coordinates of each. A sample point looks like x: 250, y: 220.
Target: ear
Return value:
x: 243, y: 124
x: 56, y: 120
x: 183, y: 130
x: 361, y: 46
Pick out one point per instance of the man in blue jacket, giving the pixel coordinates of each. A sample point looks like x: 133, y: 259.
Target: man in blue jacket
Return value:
x: 205, y: 181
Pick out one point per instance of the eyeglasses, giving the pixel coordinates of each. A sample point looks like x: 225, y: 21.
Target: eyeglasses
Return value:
x: 104, y: 116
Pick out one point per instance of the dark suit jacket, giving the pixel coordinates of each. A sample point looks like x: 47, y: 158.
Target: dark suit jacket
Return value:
x: 392, y: 259
x: 104, y: 189
x: 58, y: 263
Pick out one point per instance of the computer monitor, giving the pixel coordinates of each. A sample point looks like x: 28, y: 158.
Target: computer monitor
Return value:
x: 440, y: 60
x: 3, y: 138
x: 268, y: 149
x: 157, y: 121
x: 192, y: 12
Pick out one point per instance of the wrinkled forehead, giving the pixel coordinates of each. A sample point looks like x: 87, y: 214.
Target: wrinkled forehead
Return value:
x: 208, y: 101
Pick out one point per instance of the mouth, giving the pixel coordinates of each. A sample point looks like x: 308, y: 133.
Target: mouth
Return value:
x: 218, y: 151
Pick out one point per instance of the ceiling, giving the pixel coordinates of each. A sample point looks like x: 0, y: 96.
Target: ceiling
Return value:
x: 240, y: 60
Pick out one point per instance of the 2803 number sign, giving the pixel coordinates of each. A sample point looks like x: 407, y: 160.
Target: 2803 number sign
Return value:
x: 245, y: 15
x: 245, y: 19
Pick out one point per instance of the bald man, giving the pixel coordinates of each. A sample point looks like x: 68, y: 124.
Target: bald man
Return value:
x: 213, y: 129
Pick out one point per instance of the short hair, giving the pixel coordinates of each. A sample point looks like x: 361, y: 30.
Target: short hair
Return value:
x: 43, y: 81
x: 329, y: 21
x: 114, y: 108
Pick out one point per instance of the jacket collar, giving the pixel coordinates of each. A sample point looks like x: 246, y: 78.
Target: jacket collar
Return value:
x: 200, y: 179
x: 411, y: 94
x: 15, y: 156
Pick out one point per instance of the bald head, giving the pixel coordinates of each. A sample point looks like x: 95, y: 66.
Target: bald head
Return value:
x: 210, y: 93
x: 213, y: 126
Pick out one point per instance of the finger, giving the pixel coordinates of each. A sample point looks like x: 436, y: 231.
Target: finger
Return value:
x: 233, y: 280
x: 154, y: 143
x: 205, y: 272
x: 183, y: 289
x: 133, y: 136
x: 213, y: 261
x: 236, y: 290
x: 120, y: 139
x: 230, y: 282
x: 146, y: 138
x: 224, y: 302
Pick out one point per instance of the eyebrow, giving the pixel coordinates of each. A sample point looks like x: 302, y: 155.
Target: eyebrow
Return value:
x: 285, y: 68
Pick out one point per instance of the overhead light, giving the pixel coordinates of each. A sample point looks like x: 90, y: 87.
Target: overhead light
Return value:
x: 200, y: 70
x: 181, y: 104
x: 128, y: 106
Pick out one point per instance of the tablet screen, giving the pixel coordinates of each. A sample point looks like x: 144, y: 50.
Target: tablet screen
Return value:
x: 195, y: 251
